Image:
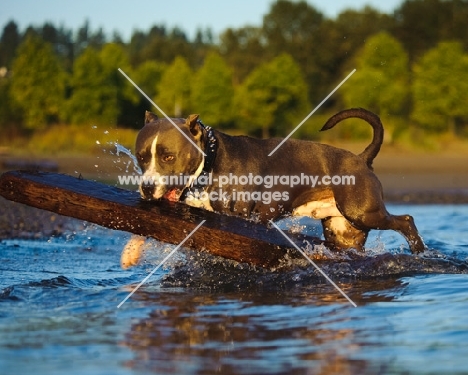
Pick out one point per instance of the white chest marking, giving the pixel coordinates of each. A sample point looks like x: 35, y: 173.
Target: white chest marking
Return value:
x: 204, y: 200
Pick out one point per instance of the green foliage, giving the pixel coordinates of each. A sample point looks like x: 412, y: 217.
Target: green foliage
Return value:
x: 440, y: 88
x: 293, y: 27
x: 273, y: 97
x: 174, y: 89
x: 148, y: 75
x: 161, y: 45
x: 10, y: 113
x: 290, y: 23
x: 212, y: 91
x: 242, y: 49
x: 9, y: 41
x: 93, y: 99
x: 38, y: 82
x: 421, y: 24
x: 114, y: 57
x: 345, y: 36
x: 381, y: 80
x: 183, y: 75
x: 98, y: 87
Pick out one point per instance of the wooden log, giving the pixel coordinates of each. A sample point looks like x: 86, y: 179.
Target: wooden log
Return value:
x: 226, y: 236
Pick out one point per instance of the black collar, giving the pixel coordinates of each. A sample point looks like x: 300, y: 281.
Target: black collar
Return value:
x: 211, y: 146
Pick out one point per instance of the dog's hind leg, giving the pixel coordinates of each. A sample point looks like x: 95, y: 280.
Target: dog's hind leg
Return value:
x: 341, y: 235
x: 337, y: 230
x: 382, y: 220
x: 404, y: 224
x: 365, y: 210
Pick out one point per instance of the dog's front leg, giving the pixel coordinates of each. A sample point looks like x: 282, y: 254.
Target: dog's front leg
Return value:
x: 132, y: 252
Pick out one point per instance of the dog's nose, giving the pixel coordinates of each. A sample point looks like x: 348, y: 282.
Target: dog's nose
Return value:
x: 146, y: 191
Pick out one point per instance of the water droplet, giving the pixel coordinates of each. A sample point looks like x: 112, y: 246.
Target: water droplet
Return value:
x: 98, y: 143
x: 126, y: 151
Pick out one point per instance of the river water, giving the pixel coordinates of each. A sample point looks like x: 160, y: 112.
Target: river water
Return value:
x: 204, y: 315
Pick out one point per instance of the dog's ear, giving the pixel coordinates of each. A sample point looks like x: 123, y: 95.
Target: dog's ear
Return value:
x: 194, y: 126
x: 150, y: 117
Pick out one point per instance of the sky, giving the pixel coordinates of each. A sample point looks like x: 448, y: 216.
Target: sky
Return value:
x: 125, y: 16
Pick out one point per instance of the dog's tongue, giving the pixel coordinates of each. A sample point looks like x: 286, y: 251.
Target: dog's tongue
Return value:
x: 172, y: 195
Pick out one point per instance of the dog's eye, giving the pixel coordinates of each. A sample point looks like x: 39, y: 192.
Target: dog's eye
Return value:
x: 143, y: 158
x: 139, y: 157
x: 167, y: 158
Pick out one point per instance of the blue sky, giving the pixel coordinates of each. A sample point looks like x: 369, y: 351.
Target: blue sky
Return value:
x: 124, y: 16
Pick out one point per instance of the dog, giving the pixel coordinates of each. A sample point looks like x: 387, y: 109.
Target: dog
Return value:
x: 166, y: 150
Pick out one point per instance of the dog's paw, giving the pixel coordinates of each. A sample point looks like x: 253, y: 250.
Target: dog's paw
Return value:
x: 132, y: 252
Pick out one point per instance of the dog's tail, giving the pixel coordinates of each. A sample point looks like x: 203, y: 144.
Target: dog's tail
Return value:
x: 373, y: 149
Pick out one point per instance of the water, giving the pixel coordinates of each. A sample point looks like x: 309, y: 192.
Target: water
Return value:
x: 133, y: 160
x: 205, y: 315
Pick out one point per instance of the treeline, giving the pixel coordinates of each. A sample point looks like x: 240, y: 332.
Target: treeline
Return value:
x: 412, y: 69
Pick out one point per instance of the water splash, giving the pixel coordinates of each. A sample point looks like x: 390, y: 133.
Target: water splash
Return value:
x: 121, y: 149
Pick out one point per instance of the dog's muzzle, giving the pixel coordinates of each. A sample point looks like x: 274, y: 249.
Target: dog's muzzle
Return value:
x: 150, y: 192
x: 147, y: 191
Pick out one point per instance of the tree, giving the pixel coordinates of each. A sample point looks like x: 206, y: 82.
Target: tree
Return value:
x: 421, y: 24
x: 161, y: 45
x: 148, y: 75
x: 341, y: 38
x: 62, y: 42
x: 38, y: 82
x: 86, y: 38
x: 242, y: 49
x: 174, y: 89
x: 9, y: 42
x: 294, y: 28
x: 440, y: 88
x: 93, y: 100
x: 381, y: 81
x: 99, y: 90
x: 114, y: 57
x: 10, y: 114
x: 212, y: 91
x: 273, y: 97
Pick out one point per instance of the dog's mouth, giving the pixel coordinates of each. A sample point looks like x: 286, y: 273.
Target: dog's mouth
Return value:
x: 173, y: 195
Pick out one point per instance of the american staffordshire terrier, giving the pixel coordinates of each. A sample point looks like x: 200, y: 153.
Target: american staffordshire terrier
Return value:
x: 235, y: 170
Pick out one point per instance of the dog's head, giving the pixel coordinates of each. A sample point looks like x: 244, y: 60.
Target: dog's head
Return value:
x: 163, y: 151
